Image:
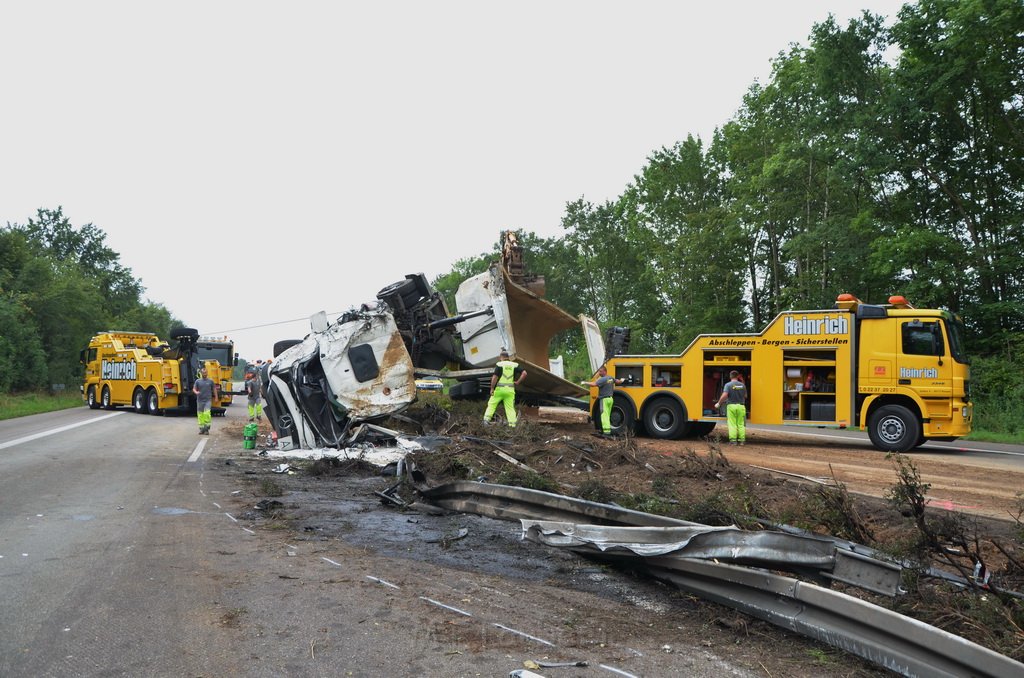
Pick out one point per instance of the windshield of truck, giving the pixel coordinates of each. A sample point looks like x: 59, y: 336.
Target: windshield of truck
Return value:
x: 957, y: 346
x: 219, y: 352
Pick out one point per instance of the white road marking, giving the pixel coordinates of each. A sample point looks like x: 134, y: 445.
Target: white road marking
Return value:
x: 447, y: 607
x: 381, y: 581
x: 59, y: 429
x: 524, y: 635
x: 196, y: 452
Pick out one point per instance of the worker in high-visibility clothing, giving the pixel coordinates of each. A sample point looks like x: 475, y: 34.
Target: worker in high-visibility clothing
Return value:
x: 507, y: 375
x: 605, y: 388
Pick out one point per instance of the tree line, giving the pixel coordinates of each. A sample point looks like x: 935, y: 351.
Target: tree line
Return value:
x: 59, y: 285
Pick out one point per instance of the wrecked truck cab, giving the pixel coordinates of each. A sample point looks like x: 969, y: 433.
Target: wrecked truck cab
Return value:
x: 353, y: 370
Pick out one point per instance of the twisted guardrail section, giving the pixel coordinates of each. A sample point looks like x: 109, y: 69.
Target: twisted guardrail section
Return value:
x: 691, y: 556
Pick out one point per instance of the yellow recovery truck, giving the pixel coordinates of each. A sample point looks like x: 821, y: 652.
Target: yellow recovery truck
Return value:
x: 137, y: 369
x: 896, y: 371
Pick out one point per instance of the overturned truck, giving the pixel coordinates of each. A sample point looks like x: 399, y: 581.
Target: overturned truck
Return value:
x: 355, y: 369
x: 362, y: 366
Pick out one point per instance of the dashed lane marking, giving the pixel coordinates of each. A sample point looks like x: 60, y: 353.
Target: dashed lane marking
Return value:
x: 198, y: 451
x: 59, y: 429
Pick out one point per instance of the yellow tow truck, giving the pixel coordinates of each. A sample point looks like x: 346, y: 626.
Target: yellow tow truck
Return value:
x: 898, y: 372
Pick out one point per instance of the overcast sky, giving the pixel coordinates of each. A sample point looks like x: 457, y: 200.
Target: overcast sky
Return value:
x: 257, y: 162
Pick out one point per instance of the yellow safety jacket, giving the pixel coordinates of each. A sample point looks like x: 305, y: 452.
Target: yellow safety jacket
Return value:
x: 508, y: 370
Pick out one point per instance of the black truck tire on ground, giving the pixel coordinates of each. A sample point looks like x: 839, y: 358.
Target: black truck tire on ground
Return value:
x: 893, y: 428
x: 105, y: 398
x: 665, y: 418
x: 91, y: 398
x: 153, y: 401
x: 464, y: 390
x: 139, y: 402
x: 183, y: 332
x: 283, y: 345
x: 702, y: 429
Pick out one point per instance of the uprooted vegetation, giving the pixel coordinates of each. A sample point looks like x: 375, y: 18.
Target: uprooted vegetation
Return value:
x: 696, y: 481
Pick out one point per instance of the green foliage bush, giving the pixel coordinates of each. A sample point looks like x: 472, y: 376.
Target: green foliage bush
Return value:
x: 998, y: 394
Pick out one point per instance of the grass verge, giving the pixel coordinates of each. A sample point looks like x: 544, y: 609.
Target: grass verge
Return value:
x: 24, y: 404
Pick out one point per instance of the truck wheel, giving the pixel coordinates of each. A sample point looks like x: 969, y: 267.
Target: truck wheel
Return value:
x: 153, y: 401
x: 139, y: 403
x: 182, y: 332
x: 105, y: 398
x: 465, y: 390
x: 403, y: 288
x: 702, y: 429
x: 893, y: 428
x: 91, y: 395
x: 664, y: 418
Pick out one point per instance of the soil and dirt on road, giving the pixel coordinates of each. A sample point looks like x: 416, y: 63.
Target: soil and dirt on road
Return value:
x: 944, y: 510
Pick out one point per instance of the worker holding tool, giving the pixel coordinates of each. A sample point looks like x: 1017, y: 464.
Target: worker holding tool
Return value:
x: 605, y: 387
x: 507, y: 375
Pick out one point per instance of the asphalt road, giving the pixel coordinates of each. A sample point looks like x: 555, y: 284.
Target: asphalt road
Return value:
x: 123, y: 553
x: 102, y: 523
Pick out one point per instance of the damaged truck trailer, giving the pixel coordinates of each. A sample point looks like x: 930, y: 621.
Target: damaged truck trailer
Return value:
x: 362, y: 367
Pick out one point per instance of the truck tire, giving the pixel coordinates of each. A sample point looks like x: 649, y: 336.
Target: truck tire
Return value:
x: 91, y: 398
x: 893, y: 428
x: 406, y: 290
x: 701, y: 429
x: 623, y: 418
x: 183, y: 332
x: 139, y: 402
x: 465, y: 390
x: 402, y: 288
x: 153, y: 401
x: 105, y: 398
x: 665, y: 418
x: 283, y: 345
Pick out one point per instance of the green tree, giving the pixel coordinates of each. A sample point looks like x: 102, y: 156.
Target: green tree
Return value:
x: 22, y: 359
x: 957, y: 135
x: 692, y: 245
x: 803, y: 158
x: 85, y: 247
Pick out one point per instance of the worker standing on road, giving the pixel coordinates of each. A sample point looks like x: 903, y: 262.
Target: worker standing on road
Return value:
x: 507, y: 375
x: 605, y: 387
x: 252, y: 391
x: 206, y: 391
x: 736, y: 411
